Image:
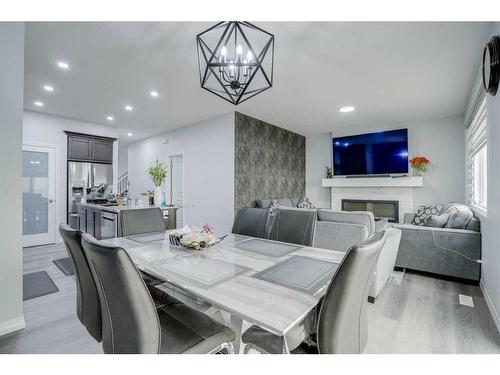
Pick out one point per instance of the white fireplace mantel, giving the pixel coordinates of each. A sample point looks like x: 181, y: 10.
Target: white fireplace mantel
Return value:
x: 392, y: 182
x: 374, y: 188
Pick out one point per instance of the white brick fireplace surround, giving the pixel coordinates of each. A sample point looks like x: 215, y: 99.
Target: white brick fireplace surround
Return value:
x: 374, y: 188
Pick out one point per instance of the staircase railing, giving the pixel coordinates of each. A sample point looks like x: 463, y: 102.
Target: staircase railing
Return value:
x: 122, y: 183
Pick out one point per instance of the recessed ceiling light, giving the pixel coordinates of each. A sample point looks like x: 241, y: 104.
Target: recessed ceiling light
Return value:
x: 63, y: 65
x: 38, y: 104
x: 346, y: 109
x: 48, y: 88
x: 110, y: 118
x: 129, y: 108
x: 154, y: 94
x: 130, y: 134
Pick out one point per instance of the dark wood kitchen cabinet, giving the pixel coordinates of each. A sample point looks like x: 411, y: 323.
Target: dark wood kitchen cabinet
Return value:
x: 101, y: 150
x: 86, y: 147
x: 82, y: 218
x: 92, y: 222
x: 78, y: 148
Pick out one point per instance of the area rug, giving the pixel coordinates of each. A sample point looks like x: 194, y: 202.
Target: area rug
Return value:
x: 37, y: 284
x: 65, y: 265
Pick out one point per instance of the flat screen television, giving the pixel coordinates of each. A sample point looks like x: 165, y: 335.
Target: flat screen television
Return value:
x: 381, y: 153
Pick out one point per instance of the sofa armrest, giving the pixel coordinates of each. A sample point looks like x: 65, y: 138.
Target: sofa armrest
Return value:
x: 386, y: 261
x: 412, y: 227
x: 338, y: 236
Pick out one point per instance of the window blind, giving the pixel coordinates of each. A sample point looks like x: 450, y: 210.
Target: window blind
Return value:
x: 476, y: 135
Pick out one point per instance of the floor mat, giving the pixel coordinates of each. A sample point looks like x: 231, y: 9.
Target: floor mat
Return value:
x: 65, y: 265
x: 396, y: 277
x: 37, y: 284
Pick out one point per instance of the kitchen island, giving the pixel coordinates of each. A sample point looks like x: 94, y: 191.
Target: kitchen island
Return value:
x: 104, y: 220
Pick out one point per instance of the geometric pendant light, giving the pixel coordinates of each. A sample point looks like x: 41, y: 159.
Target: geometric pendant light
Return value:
x: 235, y: 60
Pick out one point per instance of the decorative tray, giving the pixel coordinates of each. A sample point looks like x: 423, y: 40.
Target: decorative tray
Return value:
x: 194, y: 240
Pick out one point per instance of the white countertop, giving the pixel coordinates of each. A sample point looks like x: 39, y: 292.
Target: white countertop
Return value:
x: 117, y: 209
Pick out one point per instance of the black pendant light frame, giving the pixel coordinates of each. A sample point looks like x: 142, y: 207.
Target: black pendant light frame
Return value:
x: 233, y: 92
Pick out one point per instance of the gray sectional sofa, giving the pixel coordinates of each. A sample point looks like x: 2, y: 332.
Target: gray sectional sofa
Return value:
x: 291, y: 202
x: 448, y: 251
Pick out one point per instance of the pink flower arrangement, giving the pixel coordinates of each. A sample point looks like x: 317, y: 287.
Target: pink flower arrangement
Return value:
x: 419, y: 164
x: 208, y: 229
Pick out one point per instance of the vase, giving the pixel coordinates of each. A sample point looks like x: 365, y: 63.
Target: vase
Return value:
x: 157, y: 194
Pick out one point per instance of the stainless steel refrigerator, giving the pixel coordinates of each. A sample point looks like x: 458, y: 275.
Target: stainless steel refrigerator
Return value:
x: 82, y: 177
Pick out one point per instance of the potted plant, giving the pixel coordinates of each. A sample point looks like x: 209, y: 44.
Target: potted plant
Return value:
x: 158, y: 174
x: 150, y: 195
x: 329, y: 172
x: 419, y: 164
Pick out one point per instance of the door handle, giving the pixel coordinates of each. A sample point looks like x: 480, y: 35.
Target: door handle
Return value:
x: 51, y: 201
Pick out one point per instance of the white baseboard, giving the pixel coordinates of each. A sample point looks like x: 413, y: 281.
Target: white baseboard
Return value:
x: 491, y: 307
x: 12, y: 325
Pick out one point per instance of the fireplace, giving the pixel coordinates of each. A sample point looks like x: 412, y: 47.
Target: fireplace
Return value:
x: 380, y: 208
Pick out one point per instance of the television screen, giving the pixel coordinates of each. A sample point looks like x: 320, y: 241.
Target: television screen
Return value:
x: 380, y: 153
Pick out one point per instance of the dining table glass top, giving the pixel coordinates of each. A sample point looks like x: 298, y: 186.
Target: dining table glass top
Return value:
x: 271, y: 284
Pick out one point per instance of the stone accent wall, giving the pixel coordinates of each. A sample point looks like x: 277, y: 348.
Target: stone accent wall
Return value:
x: 269, y: 162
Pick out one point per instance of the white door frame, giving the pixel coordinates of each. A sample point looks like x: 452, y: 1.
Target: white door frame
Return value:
x: 169, y: 190
x: 51, y: 149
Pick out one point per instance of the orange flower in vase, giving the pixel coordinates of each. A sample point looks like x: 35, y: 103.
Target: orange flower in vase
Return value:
x: 419, y: 164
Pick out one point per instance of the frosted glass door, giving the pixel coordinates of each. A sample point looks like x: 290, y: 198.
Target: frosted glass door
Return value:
x: 38, y: 196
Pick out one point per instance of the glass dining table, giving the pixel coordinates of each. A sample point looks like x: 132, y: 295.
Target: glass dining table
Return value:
x: 241, y: 281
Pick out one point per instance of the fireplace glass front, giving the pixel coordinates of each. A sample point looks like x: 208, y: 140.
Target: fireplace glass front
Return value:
x: 381, y: 209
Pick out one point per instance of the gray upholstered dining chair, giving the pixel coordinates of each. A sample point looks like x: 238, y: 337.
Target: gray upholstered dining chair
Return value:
x: 142, y: 220
x: 293, y: 226
x: 251, y: 221
x: 131, y: 323
x: 88, y: 307
x: 342, y: 319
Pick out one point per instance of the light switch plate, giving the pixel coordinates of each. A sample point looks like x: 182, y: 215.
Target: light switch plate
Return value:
x: 465, y: 300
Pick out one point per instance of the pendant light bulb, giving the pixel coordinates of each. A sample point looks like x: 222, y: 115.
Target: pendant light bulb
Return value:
x: 223, y: 53
x: 239, y: 52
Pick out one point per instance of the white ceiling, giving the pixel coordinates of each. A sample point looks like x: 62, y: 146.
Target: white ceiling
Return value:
x: 392, y: 73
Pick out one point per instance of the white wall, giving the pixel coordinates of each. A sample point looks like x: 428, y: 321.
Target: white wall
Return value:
x: 318, y: 156
x: 208, y: 148
x: 11, y: 120
x: 122, y: 159
x: 490, y: 226
x: 46, y: 129
x: 440, y: 140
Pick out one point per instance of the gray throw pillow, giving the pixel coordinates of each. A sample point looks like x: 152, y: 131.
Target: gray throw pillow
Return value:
x: 305, y: 203
x: 460, y: 216
x: 264, y: 203
x: 425, y: 211
x: 273, y: 206
x: 285, y: 202
x: 436, y: 221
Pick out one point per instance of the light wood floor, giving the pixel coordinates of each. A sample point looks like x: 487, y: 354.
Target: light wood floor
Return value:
x: 420, y: 316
